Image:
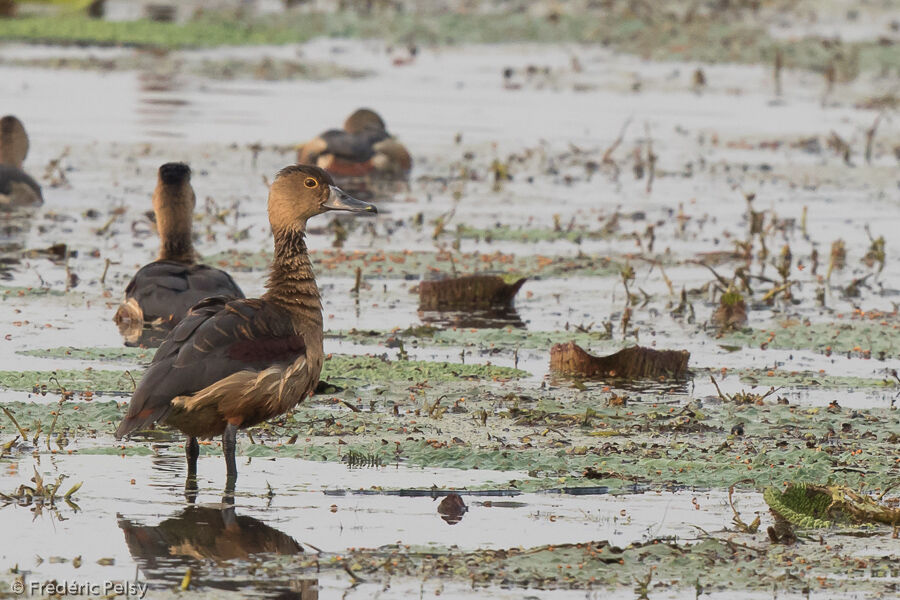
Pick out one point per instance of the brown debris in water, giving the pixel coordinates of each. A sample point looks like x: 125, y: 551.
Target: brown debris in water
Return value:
x: 471, y: 291
x: 635, y: 362
x: 452, y: 508
x: 731, y: 313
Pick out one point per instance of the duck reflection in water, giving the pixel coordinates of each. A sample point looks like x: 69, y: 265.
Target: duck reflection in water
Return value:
x: 481, y: 301
x: 201, y: 535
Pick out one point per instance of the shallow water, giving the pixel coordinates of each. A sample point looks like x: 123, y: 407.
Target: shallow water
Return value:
x: 330, y: 506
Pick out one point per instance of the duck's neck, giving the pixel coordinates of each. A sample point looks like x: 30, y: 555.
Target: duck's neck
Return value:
x: 177, y: 247
x: 292, y: 283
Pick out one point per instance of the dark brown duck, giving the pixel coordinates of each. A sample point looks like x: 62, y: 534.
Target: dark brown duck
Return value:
x: 17, y: 188
x: 162, y: 292
x: 235, y: 363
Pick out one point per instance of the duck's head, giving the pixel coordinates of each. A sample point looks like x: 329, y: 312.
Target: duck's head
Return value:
x: 300, y: 192
x: 13, y: 142
x: 362, y: 120
x: 174, y: 200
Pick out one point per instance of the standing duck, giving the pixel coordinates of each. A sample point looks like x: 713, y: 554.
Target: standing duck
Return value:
x: 235, y: 363
x: 161, y: 293
x: 17, y: 188
x: 362, y: 148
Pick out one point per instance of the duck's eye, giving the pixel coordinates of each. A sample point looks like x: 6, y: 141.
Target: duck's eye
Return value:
x: 310, y: 182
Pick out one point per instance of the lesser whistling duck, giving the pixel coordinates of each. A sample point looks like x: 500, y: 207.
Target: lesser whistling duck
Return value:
x: 162, y: 292
x: 235, y: 363
x: 17, y: 188
x: 362, y: 148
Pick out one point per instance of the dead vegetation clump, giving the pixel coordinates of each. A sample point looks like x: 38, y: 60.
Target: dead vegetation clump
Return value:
x: 468, y: 292
x: 731, y: 313
x: 743, y: 397
x: 41, y: 494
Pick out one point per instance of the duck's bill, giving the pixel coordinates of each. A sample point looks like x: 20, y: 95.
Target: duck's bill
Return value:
x: 338, y: 199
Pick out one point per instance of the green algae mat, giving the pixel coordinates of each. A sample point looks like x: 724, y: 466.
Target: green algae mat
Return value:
x: 350, y: 370
x: 857, y: 337
x: 558, y: 436
x: 413, y: 264
x: 338, y: 369
x: 705, y: 565
x: 719, y: 36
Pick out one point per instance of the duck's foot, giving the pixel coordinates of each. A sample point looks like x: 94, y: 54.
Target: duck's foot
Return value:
x: 228, y: 494
x: 190, y: 489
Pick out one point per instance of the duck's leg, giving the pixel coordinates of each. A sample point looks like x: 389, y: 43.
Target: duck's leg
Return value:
x: 191, y: 452
x: 229, y: 443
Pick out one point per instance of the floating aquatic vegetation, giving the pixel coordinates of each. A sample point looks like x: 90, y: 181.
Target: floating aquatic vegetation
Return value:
x: 95, y: 380
x: 339, y: 369
x: 509, y: 234
x: 566, y: 433
x: 343, y: 369
x: 408, y: 264
x: 95, y: 353
x: 682, y: 569
x: 809, y: 379
x: 14, y: 291
x: 720, y: 35
x: 630, y: 363
x: 812, y: 506
x: 866, y: 335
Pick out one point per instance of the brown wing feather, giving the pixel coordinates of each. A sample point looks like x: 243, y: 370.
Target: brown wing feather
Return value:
x: 167, y: 289
x: 216, y: 339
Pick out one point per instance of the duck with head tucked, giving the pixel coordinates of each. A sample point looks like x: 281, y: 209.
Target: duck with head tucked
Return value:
x: 17, y: 188
x: 232, y: 364
x: 161, y: 293
x: 362, y: 148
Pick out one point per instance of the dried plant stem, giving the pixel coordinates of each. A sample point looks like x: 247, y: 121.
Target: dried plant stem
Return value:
x: 16, y: 423
x: 870, y: 138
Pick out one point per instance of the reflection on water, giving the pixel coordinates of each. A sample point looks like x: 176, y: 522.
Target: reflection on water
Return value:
x: 15, y: 223
x: 492, y: 318
x: 452, y: 508
x: 203, y: 538
x: 159, y: 112
x: 637, y: 386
